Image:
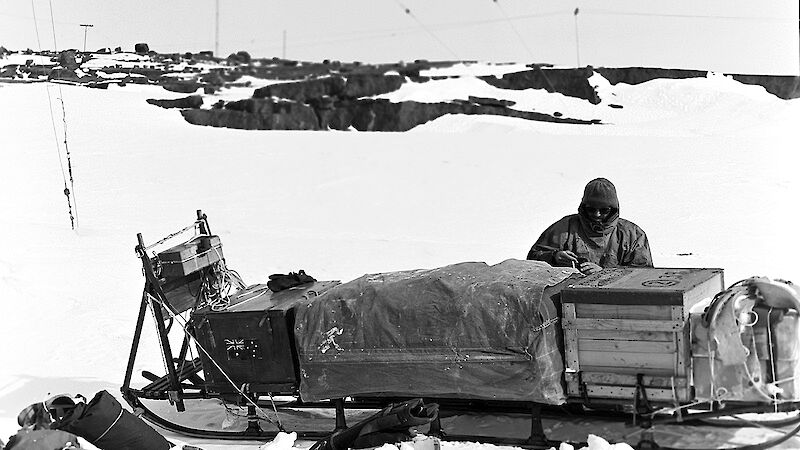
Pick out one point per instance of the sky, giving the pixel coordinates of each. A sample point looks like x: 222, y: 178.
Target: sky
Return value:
x: 706, y: 166
x: 732, y: 36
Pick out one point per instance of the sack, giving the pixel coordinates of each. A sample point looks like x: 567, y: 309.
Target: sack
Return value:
x: 388, y: 426
x: 279, y: 282
x: 107, y: 426
x: 27, y: 439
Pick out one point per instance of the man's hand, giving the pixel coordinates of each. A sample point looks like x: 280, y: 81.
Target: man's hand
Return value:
x: 589, y: 268
x: 565, y: 258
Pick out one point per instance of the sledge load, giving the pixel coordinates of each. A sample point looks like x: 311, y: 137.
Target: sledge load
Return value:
x: 655, y: 345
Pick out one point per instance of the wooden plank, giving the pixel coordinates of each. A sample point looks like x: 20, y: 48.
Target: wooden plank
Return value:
x: 607, y: 311
x: 624, y: 324
x: 570, y: 339
x: 681, y: 343
x: 625, y: 346
x: 660, y: 361
x: 653, y: 394
x: 628, y: 370
x: 617, y: 335
x: 616, y: 379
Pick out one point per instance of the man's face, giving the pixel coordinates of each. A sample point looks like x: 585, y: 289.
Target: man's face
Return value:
x: 597, y: 212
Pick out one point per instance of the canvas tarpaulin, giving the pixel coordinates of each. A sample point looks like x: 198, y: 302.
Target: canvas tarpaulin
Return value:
x: 467, y: 330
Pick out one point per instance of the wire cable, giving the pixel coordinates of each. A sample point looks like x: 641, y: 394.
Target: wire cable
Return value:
x: 53, y: 121
x: 424, y: 27
x: 514, y: 29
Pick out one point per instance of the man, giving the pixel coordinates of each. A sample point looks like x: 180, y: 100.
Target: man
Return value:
x: 594, y: 238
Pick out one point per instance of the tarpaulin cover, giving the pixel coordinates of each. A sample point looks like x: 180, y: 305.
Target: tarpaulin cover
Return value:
x: 467, y: 330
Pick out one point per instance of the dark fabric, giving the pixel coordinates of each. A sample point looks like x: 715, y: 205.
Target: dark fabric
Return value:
x: 390, y: 425
x: 107, y: 426
x: 27, y: 439
x: 610, y: 242
x: 599, y: 193
x: 279, y: 282
x: 626, y: 246
x: 467, y: 330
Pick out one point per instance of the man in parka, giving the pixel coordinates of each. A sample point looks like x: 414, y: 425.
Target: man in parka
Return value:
x: 596, y: 237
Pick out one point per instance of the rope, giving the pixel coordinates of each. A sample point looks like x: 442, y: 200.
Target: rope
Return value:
x: 119, y: 416
x: 170, y: 236
x: 184, y: 326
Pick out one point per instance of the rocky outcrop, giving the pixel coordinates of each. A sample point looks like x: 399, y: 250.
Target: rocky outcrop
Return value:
x: 302, y: 91
x: 141, y: 48
x: 181, y: 87
x: 67, y: 59
x: 352, y: 86
x: 785, y: 87
x: 256, y: 114
x: 360, y: 114
x: 569, y: 82
x: 192, y: 101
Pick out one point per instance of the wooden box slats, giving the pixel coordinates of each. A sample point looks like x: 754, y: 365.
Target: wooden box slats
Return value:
x: 611, y: 341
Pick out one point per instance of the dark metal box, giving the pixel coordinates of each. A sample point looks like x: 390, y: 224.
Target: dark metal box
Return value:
x: 251, y: 341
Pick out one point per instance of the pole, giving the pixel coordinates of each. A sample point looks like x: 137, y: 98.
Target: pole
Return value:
x: 216, y: 31
x: 577, y: 42
x: 284, y: 44
x: 86, y: 27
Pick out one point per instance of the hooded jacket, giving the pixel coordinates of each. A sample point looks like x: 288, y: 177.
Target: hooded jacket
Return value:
x: 613, y: 242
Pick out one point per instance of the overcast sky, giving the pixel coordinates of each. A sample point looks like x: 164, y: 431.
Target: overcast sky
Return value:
x: 744, y: 36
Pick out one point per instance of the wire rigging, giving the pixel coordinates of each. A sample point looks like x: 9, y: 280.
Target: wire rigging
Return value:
x: 514, y: 28
x: 427, y: 30
x: 53, y: 119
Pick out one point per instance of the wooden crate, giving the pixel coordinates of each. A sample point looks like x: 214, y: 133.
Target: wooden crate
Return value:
x: 190, y: 257
x: 622, y: 322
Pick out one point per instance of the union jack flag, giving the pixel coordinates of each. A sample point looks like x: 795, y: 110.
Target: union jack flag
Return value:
x: 234, y: 344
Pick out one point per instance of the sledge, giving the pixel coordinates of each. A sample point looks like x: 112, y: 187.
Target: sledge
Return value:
x: 647, y: 346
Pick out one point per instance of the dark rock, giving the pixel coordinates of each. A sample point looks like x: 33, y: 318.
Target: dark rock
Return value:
x: 569, y: 82
x: 383, y: 115
x: 118, y: 50
x: 368, y: 85
x: 67, y: 59
x: 785, y: 87
x: 491, y: 101
x: 141, y: 48
x: 192, y: 101
x: 240, y: 57
x: 611, y: 105
x: 638, y: 75
x: 256, y: 114
x: 64, y: 75
x: 302, y: 91
x: 183, y: 87
x: 9, y: 71
x: 213, y: 78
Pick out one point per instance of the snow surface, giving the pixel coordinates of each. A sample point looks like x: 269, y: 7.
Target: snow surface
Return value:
x: 707, y: 167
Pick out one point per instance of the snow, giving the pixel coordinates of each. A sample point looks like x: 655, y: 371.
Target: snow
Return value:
x: 707, y: 167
